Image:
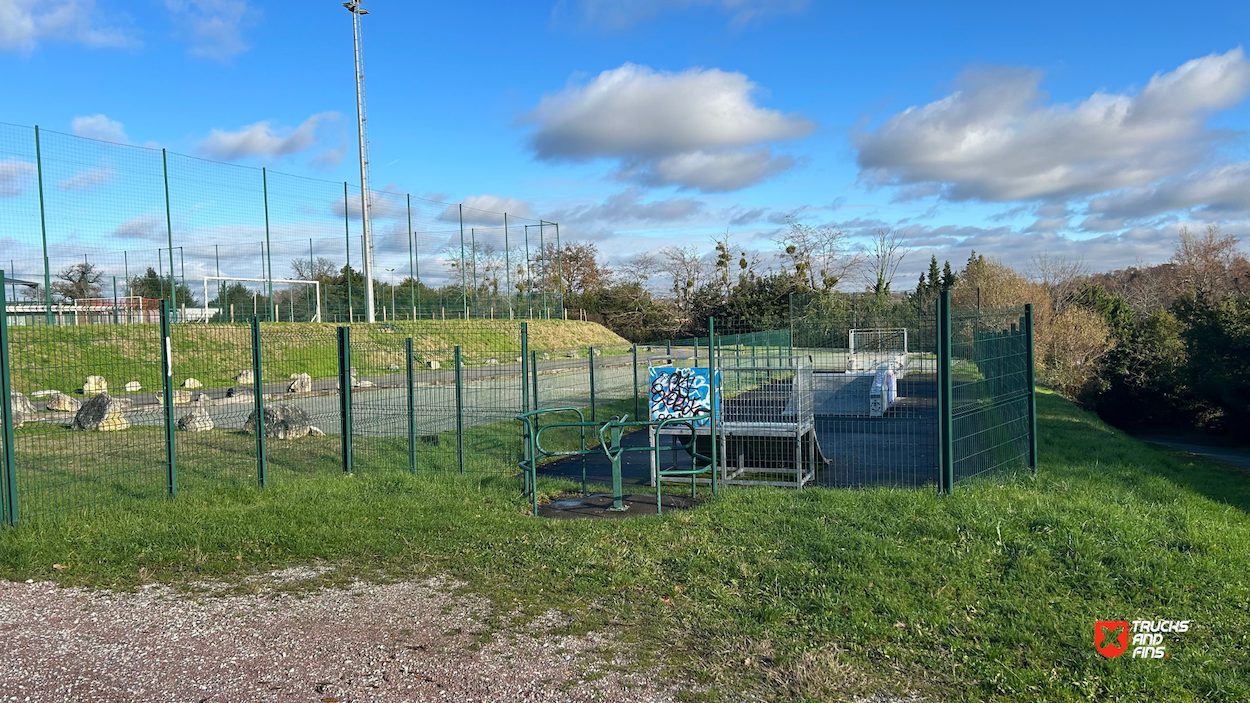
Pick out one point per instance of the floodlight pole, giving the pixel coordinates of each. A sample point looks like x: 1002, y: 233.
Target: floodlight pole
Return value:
x: 353, y: 6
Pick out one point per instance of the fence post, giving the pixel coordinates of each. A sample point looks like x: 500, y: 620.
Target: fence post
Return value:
x: 258, y: 403
x: 459, y: 411
x: 8, y: 468
x: 946, y: 453
x: 534, y: 380
x: 345, y: 396
x: 715, y: 392
x: 412, y: 406
x: 525, y: 360
x: 590, y: 351
x: 637, y: 412
x: 1028, y: 333
x: 43, y: 232
x: 167, y: 372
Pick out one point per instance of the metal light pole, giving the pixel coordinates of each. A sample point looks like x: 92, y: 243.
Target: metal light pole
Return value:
x: 353, y: 6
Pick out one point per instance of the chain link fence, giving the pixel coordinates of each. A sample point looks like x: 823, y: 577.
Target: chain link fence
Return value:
x: 103, y: 231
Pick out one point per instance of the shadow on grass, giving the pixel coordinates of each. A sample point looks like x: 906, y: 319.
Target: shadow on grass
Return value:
x: 1076, y: 440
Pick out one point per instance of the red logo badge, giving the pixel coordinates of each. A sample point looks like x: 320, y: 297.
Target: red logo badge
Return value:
x: 1111, y: 637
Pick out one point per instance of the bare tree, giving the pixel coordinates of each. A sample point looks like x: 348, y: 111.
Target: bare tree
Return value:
x: 317, y: 269
x: 639, y: 268
x: 883, y: 254
x: 78, y: 282
x: 1204, y: 261
x: 686, y: 268
x: 821, y: 256
x: 1060, y: 275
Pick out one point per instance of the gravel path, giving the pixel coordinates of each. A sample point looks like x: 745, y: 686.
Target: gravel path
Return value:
x: 394, y: 642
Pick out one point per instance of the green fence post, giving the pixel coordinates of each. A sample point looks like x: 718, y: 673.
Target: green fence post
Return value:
x: 43, y: 230
x: 534, y: 380
x: 715, y: 391
x: 167, y: 372
x: 347, y: 270
x: 1028, y: 333
x: 258, y: 405
x: 946, y: 449
x: 8, y: 467
x: 637, y: 412
x: 345, y: 396
x: 169, y: 235
x: 525, y: 360
x: 590, y: 351
x: 268, y: 262
x: 409, y: 379
x: 459, y: 411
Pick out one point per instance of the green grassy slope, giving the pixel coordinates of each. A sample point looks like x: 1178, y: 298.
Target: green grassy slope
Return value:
x: 60, y: 358
x: 990, y: 594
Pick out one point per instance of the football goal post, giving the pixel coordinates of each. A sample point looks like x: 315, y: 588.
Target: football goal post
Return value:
x: 873, y: 346
x: 286, y: 281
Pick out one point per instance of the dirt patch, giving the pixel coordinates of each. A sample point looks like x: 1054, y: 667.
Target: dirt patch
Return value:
x: 599, y: 506
x: 411, y: 641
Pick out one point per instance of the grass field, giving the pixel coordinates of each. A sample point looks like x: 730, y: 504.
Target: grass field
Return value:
x: 60, y: 358
x: 989, y: 594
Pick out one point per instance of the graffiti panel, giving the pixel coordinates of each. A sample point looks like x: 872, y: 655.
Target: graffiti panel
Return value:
x: 678, y: 392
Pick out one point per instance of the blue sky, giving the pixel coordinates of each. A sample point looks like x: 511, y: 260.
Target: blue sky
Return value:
x: 1080, y: 129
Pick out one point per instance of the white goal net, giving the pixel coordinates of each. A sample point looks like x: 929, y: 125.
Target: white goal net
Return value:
x: 233, y: 298
x: 872, y: 347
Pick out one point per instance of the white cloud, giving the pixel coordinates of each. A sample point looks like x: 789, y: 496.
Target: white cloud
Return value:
x: 1220, y: 190
x: 150, y: 226
x: 259, y: 140
x: 24, y: 24
x: 710, y: 172
x: 14, y: 176
x: 383, y: 205
x: 100, y: 127
x: 487, y: 209
x: 88, y: 178
x: 328, y: 159
x: 623, y: 14
x: 628, y: 209
x: 692, y: 129
x: 994, y: 139
x: 214, y: 28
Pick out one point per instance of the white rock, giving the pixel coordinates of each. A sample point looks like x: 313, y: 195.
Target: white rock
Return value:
x: 192, y: 384
x: 61, y: 403
x: 315, y: 431
x: 94, y: 385
x: 40, y: 394
x: 245, y: 377
x: 133, y: 387
x: 433, y: 364
x: 197, y: 421
x: 301, y: 383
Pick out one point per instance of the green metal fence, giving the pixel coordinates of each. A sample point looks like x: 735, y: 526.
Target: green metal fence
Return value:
x: 992, y: 411
x: 111, y: 414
